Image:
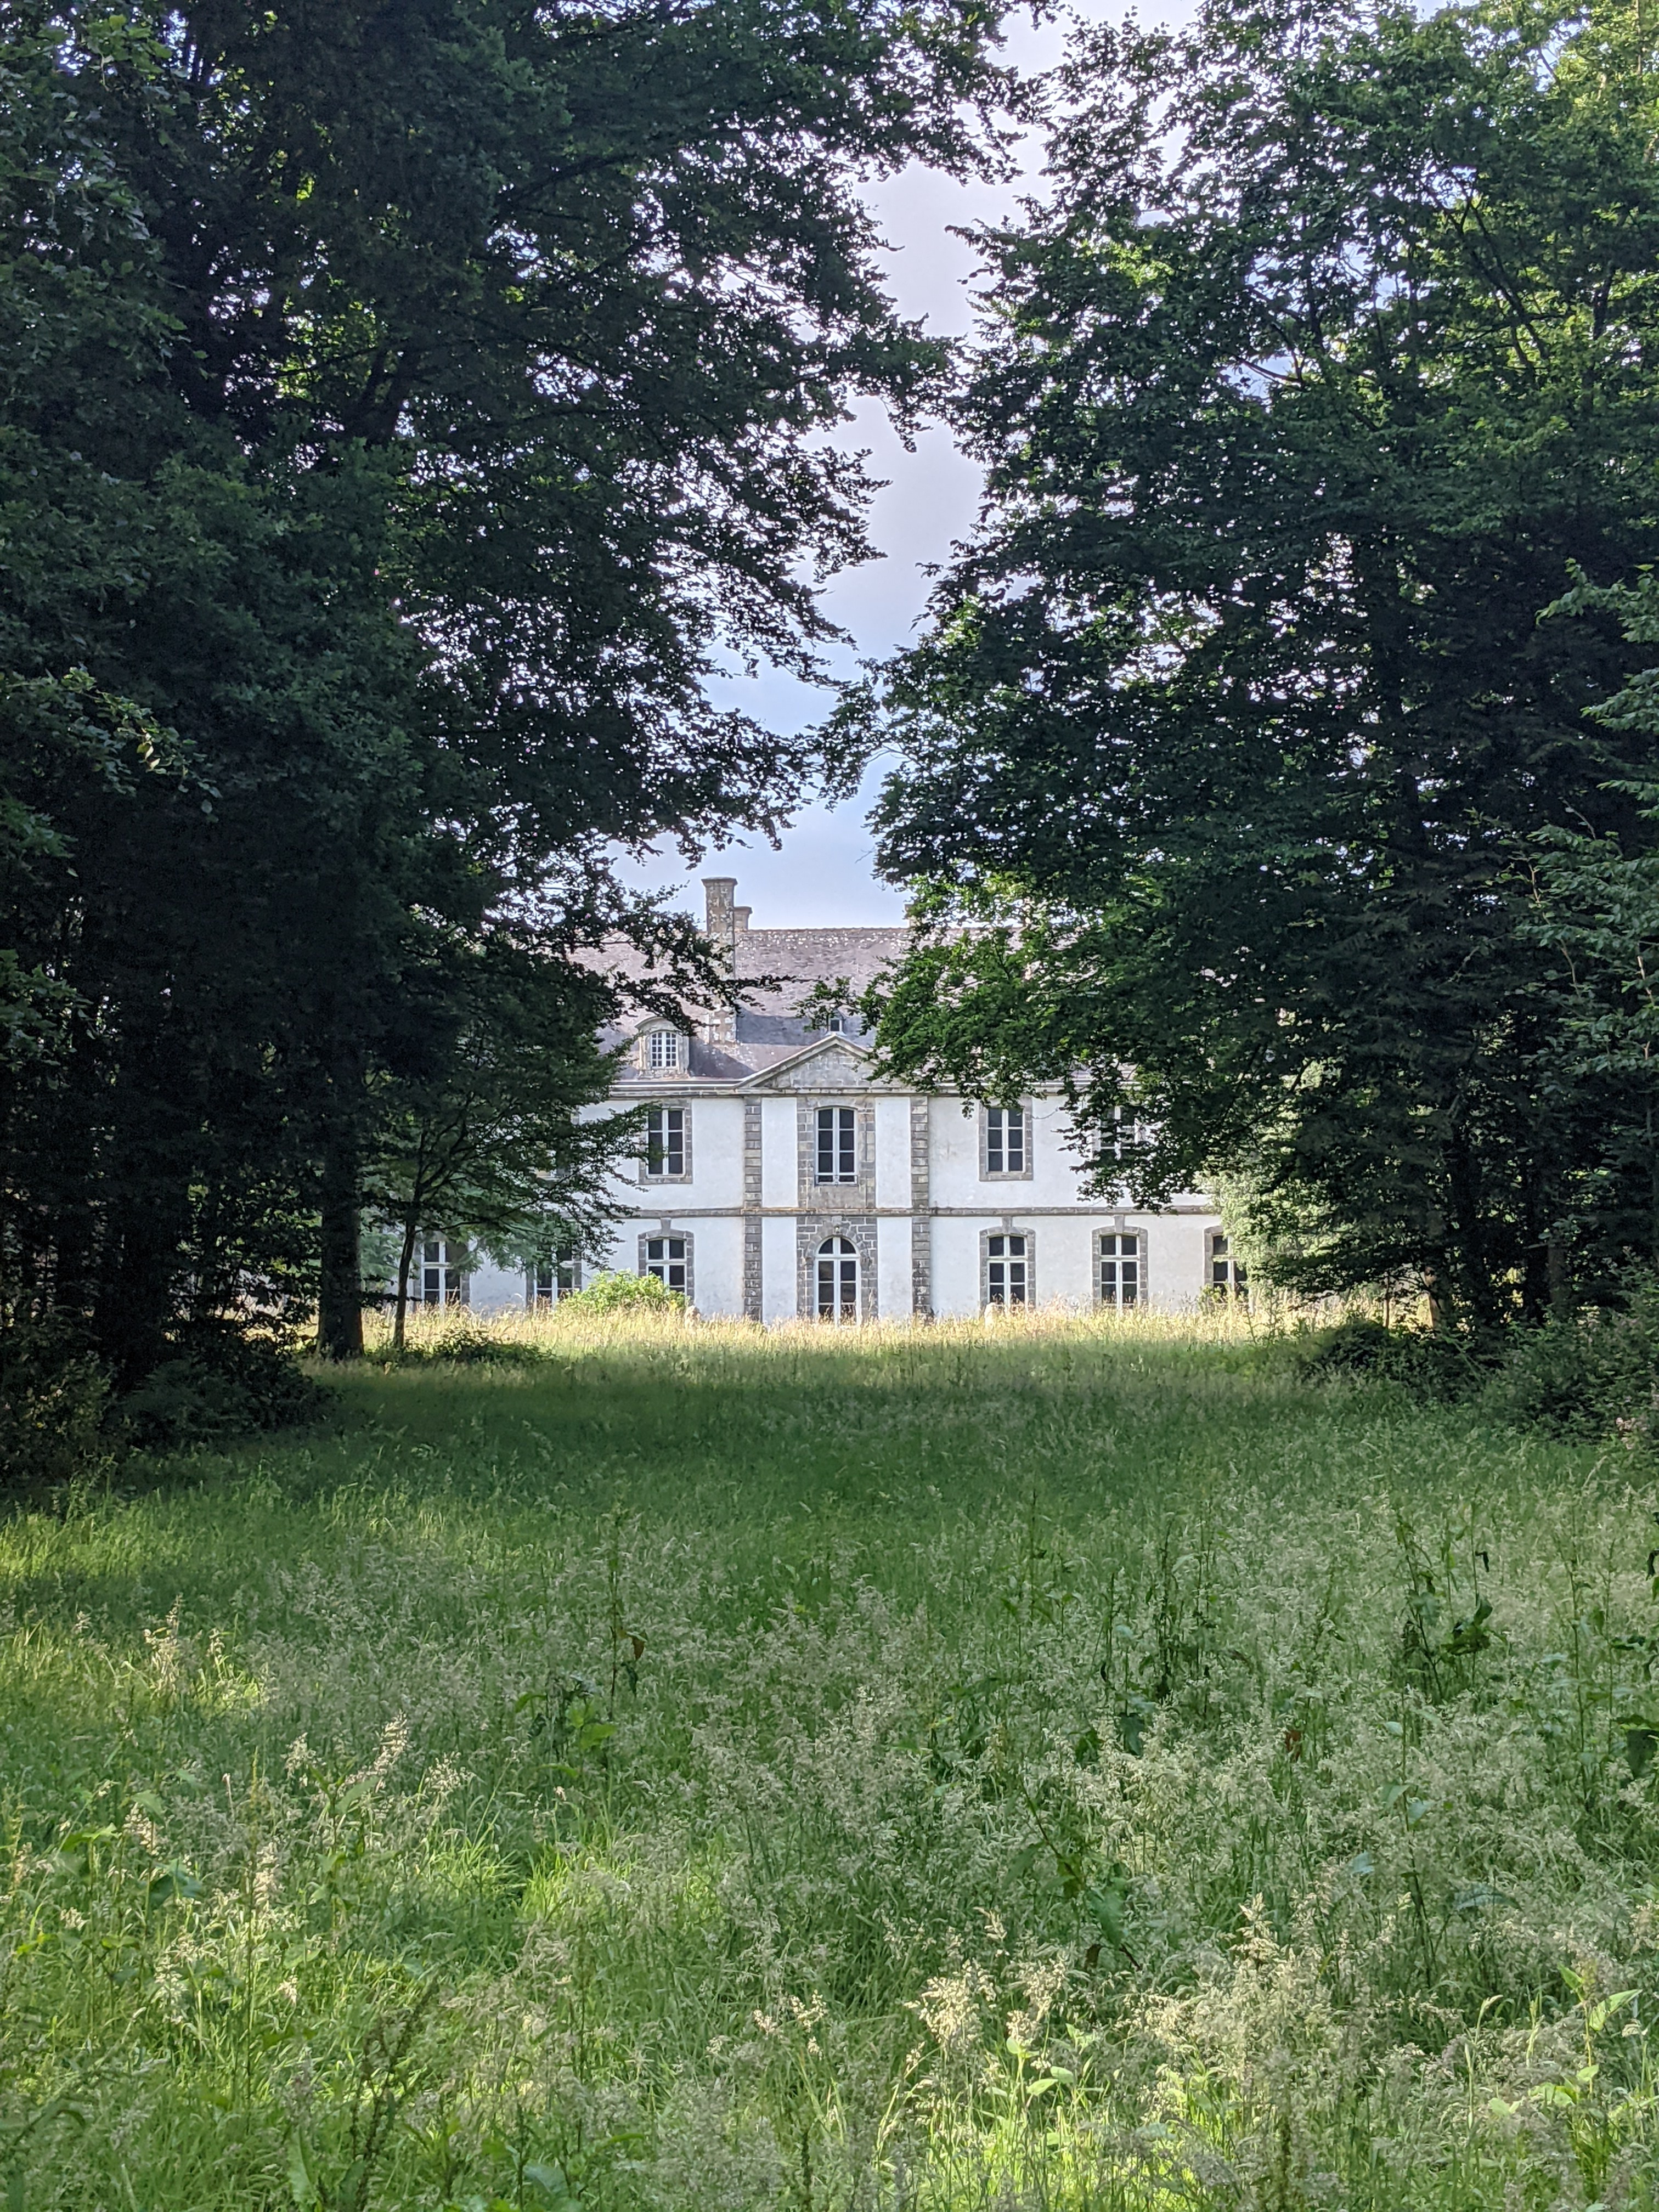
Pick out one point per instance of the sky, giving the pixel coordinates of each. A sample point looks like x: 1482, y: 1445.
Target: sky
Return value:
x: 823, y: 872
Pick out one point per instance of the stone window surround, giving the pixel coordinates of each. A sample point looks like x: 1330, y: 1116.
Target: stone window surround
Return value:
x: 836, y: 1262
x: 858, y: 1197
x: 666, y: 1229
x: 988, y: 1173
x: 811, y: 1231
x: 533, y: 1301
x: 1007, y: 1227
x: 1116, y: 1234
x: 683, y: 1105
x: 682, y: 1050
x: 1233, y: 1288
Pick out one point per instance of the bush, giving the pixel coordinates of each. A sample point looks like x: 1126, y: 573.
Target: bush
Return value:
x: 1594, y: 1377
x: 220, y: 1384
x: 1439, y: 1363
x: 54, y: 1408
x: 463, y: 1342
x: 623, y: 1294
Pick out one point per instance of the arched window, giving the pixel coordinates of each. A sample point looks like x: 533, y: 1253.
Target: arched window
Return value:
x: 838, y: 1280
x: 663, y: 1051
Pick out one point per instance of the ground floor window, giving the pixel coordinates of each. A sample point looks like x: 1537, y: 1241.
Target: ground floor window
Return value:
x: 553, y: 1279
x: 669, y: 1259
x: 1226, y: 1276
x: 838, y: 1280
x: 1119, y: 1269
x: 1008, y: 1269
x: 443, y: 1271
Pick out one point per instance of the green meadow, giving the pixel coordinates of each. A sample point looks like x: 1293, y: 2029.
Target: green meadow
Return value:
x: 661, y: 1768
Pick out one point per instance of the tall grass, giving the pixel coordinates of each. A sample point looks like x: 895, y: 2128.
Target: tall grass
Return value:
x: 1063, y: 1764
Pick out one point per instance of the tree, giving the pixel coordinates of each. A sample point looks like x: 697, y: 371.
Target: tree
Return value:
x: 490, y: 1143
x: 1334, y: 354
x: 1595, y: 920
x: 411, y: 404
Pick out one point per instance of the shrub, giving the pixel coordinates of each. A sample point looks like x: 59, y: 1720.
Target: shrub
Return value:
x: 1439, y: 1363
x: 1354, y: 1347
x: 464, y: 1342
x: 219, y: 1382
x: 54, y: 1407
x: 1595, y: 1375
x: 623, y: 1294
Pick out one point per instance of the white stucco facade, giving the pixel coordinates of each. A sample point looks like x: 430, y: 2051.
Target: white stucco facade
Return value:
x: 782, y: 1181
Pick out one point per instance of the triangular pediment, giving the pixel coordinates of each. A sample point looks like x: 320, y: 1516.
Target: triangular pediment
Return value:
x: 831, y: 1063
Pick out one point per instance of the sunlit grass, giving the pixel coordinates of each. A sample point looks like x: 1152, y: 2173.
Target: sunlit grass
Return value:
x: 679, y: 1765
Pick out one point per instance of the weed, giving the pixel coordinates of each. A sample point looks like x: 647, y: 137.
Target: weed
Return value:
x: 655, y: 1767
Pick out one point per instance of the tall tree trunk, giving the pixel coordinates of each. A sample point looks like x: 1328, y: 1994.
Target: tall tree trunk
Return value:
x: 340, y: 1283
x: 1560, y: 1279
x: 406, y: 1261
x: 1468, y: 1230
x: 141, y: 1278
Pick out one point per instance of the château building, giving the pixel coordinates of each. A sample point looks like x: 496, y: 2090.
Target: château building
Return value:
x: 780, y: 1179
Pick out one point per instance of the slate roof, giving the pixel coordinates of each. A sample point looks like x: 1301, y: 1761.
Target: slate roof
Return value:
x: 780, y: 967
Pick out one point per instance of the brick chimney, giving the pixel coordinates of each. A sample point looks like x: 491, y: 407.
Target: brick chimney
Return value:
x: 719, y: 1025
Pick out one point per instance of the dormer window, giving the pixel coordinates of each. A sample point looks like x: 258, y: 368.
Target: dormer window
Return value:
x: 664, y: 1051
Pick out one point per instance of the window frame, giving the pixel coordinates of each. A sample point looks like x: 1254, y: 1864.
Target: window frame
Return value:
x: 1117, y: 1258
x: 845, y: 1250
x: 442, y: 1265
x: 1025, y: 1258
x: 1005, y: 1174
x: 846, y: 1143
x: 566, y: 1262
x: 1218, y: 1252
x: 662, y: 1036
x: 682, y: 1173
x: 666, y: 1237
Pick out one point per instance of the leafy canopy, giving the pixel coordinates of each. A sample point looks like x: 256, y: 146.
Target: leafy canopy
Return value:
x: 1333, y: 357
x: 407, y: 411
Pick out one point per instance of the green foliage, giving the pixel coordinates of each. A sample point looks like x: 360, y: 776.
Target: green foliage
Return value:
x: 1072, y: 1767
x: 485, y: 1137
x: 1439, y: 1364
x: 1594, y: 1375
x: 1329, y: 359
x: 218, y: 1383
x: 456, y: 1338
x: 619, y: 1295
x: 402, y: 413
x: 55, y: 1427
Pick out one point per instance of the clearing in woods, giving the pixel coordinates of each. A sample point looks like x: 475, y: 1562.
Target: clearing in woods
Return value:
x: 666, y: 1766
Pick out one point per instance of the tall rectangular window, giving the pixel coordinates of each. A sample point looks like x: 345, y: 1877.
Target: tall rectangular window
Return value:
x: 666, y: 1259
x: 1007, y: 1271
x: 1227, y: 1279
x: 664, y: 1051
x: 443, y: 1272
x: 1004, y: 1141
x: 552, y: 1279
x: 665, y: 1140
x: 1120, y: 1269
x: 838, y: 1144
